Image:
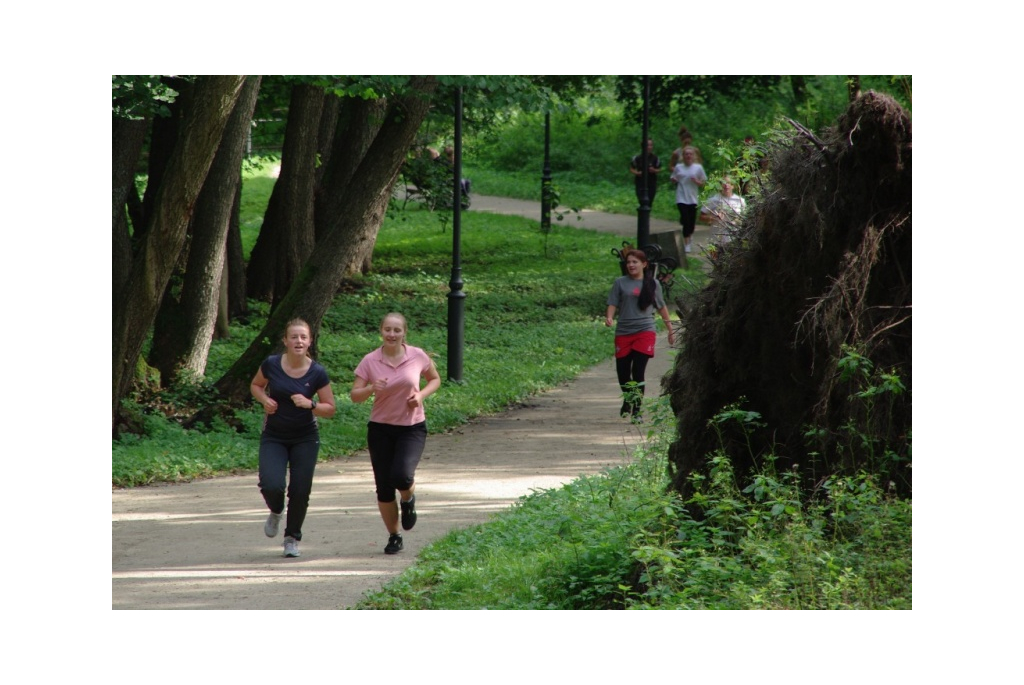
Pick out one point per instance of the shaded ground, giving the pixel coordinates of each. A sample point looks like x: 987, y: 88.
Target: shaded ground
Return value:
x: 201, y: 545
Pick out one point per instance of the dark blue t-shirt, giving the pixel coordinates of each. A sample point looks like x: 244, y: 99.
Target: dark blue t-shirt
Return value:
x: 289, y: 419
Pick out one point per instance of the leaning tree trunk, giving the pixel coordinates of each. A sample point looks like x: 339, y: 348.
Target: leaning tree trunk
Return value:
x: 351, y: 235
x: 359, y: 122
x: 163, y: 137
x: 183, y: 346
x: 286, y: 238
x: 325, y: 136
x: 135, y: 306
x: 128, y: 138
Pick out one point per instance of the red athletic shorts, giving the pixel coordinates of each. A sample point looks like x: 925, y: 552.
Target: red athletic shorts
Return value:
x: 642, y: 342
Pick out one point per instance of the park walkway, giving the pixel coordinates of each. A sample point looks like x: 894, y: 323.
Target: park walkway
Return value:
x: 619, y: 224
x: 200, y: 545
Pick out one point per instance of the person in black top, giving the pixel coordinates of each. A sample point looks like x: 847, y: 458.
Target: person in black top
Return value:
x: 288, y: 385
x: 636, y: 167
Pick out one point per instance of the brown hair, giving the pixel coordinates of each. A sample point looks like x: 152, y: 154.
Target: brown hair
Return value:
x: 309, y: 329
x: 646, y: 298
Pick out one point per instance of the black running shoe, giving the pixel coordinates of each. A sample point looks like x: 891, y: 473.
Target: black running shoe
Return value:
x: 409, y: 513
x: 394, y: 544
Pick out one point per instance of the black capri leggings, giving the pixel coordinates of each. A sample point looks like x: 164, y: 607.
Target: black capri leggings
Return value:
x: 687, y: 218
x: 395, y: 452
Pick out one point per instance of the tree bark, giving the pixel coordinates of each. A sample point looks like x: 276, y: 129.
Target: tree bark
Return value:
x: 182, y: 343
x: 163, y: 137
x: 286, y: 238
x: 325, y: 136
x: 135, y: 306
x: 358, y: 123
x: 237, y: 304
x: 351, y: 234
x: 128, y: 138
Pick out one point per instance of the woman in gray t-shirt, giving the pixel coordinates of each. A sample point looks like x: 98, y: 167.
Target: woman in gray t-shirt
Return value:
x: 635, y: 296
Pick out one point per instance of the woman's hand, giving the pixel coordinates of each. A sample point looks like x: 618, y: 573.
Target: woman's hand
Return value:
x: 301, y: 401
x: 269, y: 406
x: 414, y: 400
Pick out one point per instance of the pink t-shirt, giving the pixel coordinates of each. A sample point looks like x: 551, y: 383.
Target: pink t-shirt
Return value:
x: 389, y: 405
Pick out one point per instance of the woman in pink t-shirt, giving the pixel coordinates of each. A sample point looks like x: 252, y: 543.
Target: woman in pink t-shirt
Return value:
x: 397, y: 431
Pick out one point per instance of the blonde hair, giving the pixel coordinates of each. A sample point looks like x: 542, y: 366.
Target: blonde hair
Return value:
x: 297, y: 322
x: 396, y: 315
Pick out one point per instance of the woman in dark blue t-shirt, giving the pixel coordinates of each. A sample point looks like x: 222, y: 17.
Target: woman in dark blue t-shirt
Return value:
x: 288, y: 385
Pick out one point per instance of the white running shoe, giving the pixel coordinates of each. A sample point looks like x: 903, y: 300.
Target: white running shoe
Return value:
x: 291, y: 547
x: 272, y: 525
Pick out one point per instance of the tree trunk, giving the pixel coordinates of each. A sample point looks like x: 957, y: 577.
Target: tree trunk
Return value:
x: 162, y: 140
x: 358, y: 124
x: 325, y: 136
x: 128, y: 138
x: 286, y: 238
x: 135, y: 306
x: 222, y: 324
x: 799, y: 87
x: 237, y: 304
x: 183, y: 345
x: 853, y: 87
x: 350, y: 236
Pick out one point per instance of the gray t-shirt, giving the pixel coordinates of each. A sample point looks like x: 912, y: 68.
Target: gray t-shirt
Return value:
x: 625, y: 296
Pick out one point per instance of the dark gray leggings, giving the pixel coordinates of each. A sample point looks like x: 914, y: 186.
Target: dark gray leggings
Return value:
x: 279, y: 455
x: 395, y: 452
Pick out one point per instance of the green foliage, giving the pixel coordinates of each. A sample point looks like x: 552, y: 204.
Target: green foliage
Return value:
x: 140, y: 97
x: 622, y: 539
x: 869, y: 430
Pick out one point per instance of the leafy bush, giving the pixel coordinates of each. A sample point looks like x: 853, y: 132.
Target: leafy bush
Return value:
x: 622, y: 539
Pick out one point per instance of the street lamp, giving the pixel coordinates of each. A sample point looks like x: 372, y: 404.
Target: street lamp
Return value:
x: 643, y: 218
x: 456, y: 298
x: 545, y: 179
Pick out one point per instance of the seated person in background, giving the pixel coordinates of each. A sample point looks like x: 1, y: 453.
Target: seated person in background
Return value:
x: 721, y: 211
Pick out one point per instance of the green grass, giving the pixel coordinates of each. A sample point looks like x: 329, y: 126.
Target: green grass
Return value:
x: 622, y: 540
x: 520, y: 304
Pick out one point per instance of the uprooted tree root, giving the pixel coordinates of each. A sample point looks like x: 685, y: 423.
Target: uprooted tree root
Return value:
x: 822, y: 268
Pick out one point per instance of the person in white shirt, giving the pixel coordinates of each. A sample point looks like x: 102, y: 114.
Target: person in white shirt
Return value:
x: 722, y: 211
x: 688, y: 176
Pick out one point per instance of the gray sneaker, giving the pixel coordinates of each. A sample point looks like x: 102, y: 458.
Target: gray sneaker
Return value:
x: 291, y: 547
x: 272, y: 524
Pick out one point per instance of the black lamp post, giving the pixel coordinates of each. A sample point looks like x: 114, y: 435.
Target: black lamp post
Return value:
x: 545, y: 179
x: 456, y: 298
x: 643, y: 218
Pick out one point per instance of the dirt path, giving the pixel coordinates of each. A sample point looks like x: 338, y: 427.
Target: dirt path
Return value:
x: 201, y: 545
